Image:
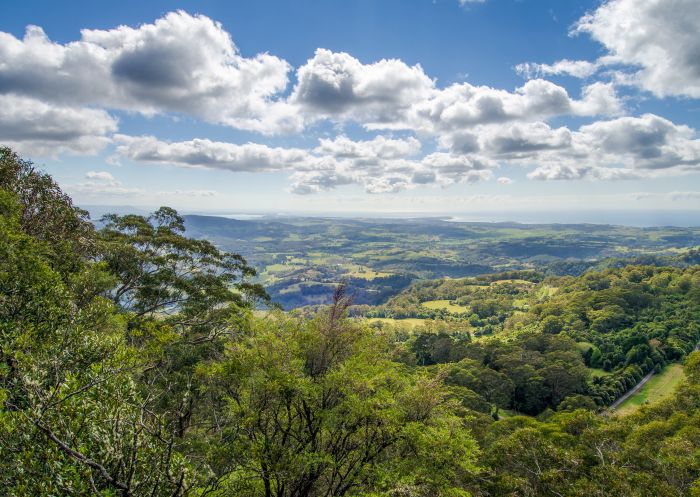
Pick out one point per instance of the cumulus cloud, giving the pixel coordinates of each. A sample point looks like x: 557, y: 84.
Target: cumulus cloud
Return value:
x: 620, y: 148
x: 504, y: 180
x: 389, y: 176
x: 185, y: 64
x: 598, y: 99
x: 659, y: 37
x: 337, y: 85
x: 524, y: 139
x: 385, y: 148
x: 452, y: 168
x: 32, y: 126
x: 645, y: 142
x: 180, y: 63
x: 463, y: 106
x: 389, y: 94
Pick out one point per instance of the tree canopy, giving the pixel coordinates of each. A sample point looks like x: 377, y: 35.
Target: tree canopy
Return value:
x: 135, y: 361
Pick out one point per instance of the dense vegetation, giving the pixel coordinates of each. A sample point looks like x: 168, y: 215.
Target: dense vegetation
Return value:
x: 548, y: 336
x: 133, y: 363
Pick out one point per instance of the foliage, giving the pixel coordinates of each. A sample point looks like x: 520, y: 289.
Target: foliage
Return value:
x: 133, y: 363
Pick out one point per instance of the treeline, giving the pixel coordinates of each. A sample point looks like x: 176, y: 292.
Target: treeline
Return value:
x: 132, y: 364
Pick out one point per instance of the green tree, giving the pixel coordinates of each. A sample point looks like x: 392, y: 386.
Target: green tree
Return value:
x: 72, y: 421
x: 46, y: 213
x: 314, y: 408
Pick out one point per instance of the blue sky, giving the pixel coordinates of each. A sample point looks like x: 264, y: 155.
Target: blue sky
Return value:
x: 359, y: 106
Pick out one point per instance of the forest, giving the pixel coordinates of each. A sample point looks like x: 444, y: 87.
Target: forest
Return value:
x: 137, y: 359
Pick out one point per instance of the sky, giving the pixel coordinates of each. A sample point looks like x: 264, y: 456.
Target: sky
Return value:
x: 371, y: 107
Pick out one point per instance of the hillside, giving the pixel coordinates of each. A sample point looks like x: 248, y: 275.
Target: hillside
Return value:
x: 621, y: 324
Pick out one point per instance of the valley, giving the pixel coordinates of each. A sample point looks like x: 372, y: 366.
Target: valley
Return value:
x: 299, y: 260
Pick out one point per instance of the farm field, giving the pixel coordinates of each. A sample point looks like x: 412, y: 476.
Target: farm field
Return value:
x: 408, y: 322
x: 446, y: 305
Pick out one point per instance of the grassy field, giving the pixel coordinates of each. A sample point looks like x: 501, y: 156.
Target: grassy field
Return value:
x: 658, y: 387
x: 446, y: 305
x: 366, y: 273
x: 513, y: 282
x: 409, y: 322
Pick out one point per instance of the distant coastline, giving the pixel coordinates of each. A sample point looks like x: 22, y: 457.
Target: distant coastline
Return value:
x: 633, y: 218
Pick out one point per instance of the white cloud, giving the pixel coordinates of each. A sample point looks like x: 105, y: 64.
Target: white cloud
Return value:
x: 180, y: 63
x: 381, y: 147
x: 184, y: 64
x: 523, y: 139
x: 616, y: 149
x: 452, y: 168
x: 622, y: 148
x: 389, y: 94
x: 306, y: 183
x: 249, y: 157
x: 504, y: 180
x: 645, y: 142
x: 575, y: 68
x: 557, y: 172
x: 658, y: 38
x: 338, y: 86
x: 464, y: 106
x: 598, y: 99
x: 391, y: 176
x: 379, y: 165
x: 99, y: 176
x: 54, y: 98
x: 32, y: 126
